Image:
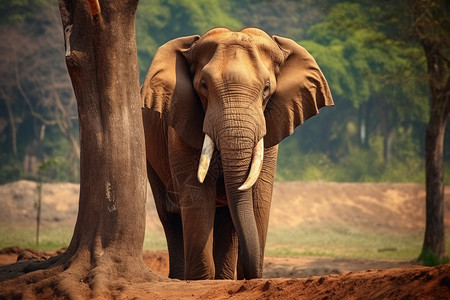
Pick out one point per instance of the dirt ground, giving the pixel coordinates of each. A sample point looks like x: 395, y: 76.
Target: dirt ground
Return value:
x: 379, y: 280
x: 377, y: 207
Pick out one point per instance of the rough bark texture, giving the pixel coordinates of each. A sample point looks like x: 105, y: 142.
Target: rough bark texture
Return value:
x: 434, y: 240
x: 431, y: 24
x: 105, y: 253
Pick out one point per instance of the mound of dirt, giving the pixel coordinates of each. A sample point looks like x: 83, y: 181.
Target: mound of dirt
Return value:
x: 394, y: 207
x: 408, y: 282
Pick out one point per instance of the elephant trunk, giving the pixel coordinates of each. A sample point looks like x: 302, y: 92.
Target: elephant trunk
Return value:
x: 236, y: 153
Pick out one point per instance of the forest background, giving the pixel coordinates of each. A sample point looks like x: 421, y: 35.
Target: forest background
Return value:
x: 374, y: 65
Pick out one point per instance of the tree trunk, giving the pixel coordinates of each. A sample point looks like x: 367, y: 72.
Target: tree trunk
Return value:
x: 434, y: 241
x: 106, y: 248
x: 102, y: 64
x: 431, y: 26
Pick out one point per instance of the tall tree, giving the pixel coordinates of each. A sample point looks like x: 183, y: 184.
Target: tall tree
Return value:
x: 106, y: 248
x: 432, y: 27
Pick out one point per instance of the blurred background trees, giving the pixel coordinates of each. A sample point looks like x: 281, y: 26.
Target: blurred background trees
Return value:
x: 38, y: 113
x: 368, y: 50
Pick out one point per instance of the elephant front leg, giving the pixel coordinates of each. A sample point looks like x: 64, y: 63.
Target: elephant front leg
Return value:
x: 197, y: 213
x: 197, y: 206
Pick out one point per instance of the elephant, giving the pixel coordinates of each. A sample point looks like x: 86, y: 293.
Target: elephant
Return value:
x: 215, y: 109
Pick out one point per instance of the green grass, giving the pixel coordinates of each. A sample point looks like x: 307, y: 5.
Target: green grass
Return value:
x: 318, y: 241
x: 155, y: 241
x: 344, y: 242
x: 54, y: 238
x: 50, y: 238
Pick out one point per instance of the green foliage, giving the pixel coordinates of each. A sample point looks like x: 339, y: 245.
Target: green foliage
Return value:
x: 10, y: 169
x: 17, y: 11
x: 295, y: 165
x: 428, y: 258
x: 362, y: 164
x: 373, y: 63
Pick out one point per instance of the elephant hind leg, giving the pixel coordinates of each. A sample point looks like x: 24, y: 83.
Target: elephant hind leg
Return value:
x: 225, y: 244
x: 172, y: 225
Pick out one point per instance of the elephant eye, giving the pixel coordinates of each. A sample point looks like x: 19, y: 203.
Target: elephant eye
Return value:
x: 266, y: 90
x: 203, y: 85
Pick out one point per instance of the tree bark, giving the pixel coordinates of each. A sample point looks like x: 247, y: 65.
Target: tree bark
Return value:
x: 431, y: 25
x: 434, y: 240
x: 105, y: 252
x: 102, y: 64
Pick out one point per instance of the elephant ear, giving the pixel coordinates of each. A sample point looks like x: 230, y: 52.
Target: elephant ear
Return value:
x: 301, y: 91
x: 168, y: 89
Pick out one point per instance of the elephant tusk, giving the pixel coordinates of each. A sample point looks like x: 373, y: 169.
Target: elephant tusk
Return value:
x: 205, y: 158
x: 255, y: 169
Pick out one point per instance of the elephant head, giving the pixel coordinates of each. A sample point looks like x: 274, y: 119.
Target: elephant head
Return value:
x: 236, y: 93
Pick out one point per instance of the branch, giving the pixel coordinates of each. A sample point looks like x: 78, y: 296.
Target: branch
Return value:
x: 27, y: 100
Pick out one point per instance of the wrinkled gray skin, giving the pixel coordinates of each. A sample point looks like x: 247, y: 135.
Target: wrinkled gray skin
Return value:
x: 237, y: 88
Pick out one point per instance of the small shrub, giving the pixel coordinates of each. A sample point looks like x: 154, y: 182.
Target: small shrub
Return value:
x: 429, y: 259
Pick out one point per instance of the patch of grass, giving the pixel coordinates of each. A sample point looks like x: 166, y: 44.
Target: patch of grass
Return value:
x: 50, y: 238
x: 54, y: 238
x: 305, y: 241
x: 428, y: 258
x: 155, y: 241
x: 344, y: 242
